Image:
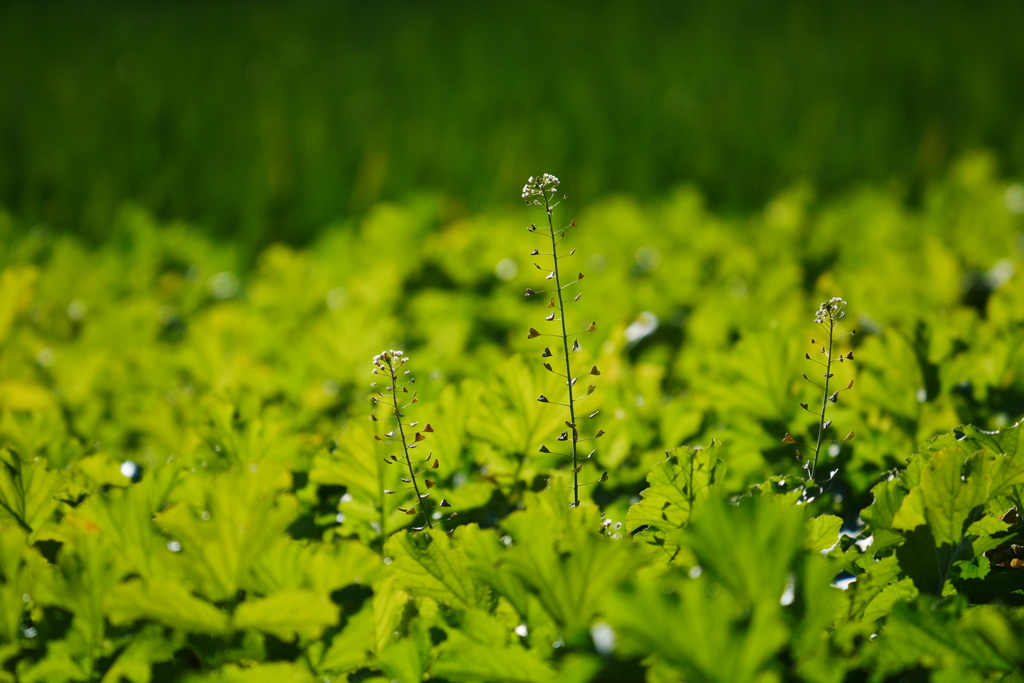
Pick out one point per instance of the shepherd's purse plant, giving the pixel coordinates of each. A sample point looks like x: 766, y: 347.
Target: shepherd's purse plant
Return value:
x: 827, y: 317
x: 391, y: 365
x: 543, y: 191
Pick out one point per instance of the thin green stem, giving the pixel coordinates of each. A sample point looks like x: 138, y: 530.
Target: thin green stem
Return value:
x: 405, y: 445
x: 383, y: 505
x: 824, y: 397
x: 565, y: 349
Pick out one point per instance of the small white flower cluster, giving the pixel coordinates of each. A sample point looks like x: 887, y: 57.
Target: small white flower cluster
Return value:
x: 536, y: 187
x: 830, y: 310
x: 387, y: 360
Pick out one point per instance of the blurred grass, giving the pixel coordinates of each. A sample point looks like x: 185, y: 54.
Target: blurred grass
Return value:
x: 267, y: 121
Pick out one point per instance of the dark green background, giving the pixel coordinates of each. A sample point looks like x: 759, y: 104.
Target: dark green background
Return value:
x: 264, y: 120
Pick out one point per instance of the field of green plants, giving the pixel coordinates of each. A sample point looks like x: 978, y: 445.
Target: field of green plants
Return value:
x: 295, y: 387
x: 193, y: 488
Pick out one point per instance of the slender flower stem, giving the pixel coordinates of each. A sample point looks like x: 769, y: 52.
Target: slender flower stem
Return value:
x: 542, y: 191
x: 565, y: 349
x: 383, y: 509
x: 405, y: 444
x: 824, y: 396
x: 389, y: 364
x: 828, y: 316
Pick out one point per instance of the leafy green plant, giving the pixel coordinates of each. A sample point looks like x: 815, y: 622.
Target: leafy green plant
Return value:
x: 390, y: 364
x: 543, y: 191
x: 828, y: 316
x: 676, y: 487
x: 209, y: 505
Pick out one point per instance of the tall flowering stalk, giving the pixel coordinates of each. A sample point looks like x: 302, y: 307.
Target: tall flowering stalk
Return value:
x: 390, y: 364
x: 543, y: 191
x: 828, y: 316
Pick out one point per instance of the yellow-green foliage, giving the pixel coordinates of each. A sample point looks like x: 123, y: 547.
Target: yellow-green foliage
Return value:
x: 189, y: 484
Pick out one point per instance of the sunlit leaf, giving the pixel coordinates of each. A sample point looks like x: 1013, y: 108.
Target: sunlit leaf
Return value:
x: 429, y: 563
x: 479, y: 651
x: 27, y: 491
x: 724, y: 536
x: 245, y: 515
x: 353, y: 647
x: 390, y: 614
x: 822, y: 532
x: 166, y: 602
x: 287, y: 615
x: 689, y: 477
x: 713, y: 637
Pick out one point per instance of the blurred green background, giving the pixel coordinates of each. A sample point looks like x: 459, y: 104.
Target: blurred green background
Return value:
x: 265, y: 121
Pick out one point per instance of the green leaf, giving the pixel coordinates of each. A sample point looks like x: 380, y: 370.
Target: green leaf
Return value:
x: 70, y: 658
x: 464, y: 658
x: 406, y: 660
x: 21, y: 566
x: 925, y: 561
x: 547, y: 516
x: 1007, y: 442
x: 273, y: 672
x: 483, y: 557
x: 689, y: 477
x: 453, y: 408
x: 320, y: 567
x: 882, y: 604
x: 986, y: 526
x: 84, y: 574
x: 509, y: 416
x: 880, y: 515
x: 725, y: 537
x: 815, y: 608
x: 242, y: 515
x: 358, y: 465
x: 572, y: 576
x: 995, y: 474
x: 707, y: 633
x: 287, y: 615
x: 822, y: 532
x: 150, y: 645
x: 403, y: 661
x: 390, y: 612
x: 123, y: 517
x: 166, y: 602
x: 870, y: 584
x: 27, y: 491
x: 353, y: 647
x: 55, y: 667
x: 952, y: 496
x: 1002, y: 632
x: 933, y: 636
x: 430, y: 564
x: 912, y: 511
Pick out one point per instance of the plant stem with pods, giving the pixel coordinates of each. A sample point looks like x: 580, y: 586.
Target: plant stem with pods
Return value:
x: 541, y: 191
x: 828, y: 316
x: 574, y: 442
x: 408, y: 460
x: 389, y: 363
x: 824, y: 399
